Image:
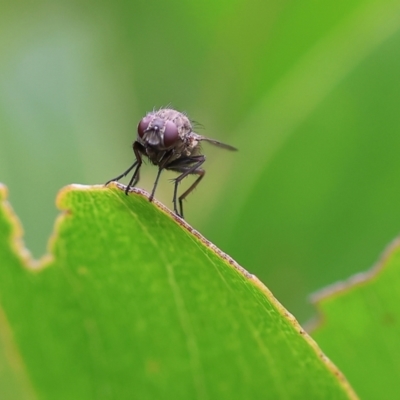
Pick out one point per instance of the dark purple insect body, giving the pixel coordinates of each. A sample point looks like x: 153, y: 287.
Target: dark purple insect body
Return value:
x: 167, y: 139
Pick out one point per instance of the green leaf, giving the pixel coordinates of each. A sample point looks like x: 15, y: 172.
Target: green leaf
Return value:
x: 133, y: 303
x: 360, y: 327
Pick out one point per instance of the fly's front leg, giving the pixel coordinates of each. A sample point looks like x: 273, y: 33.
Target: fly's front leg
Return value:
x: 137, y: 149
x: 117, y: 178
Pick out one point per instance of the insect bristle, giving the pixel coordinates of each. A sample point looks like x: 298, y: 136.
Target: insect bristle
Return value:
x: 197, y: 125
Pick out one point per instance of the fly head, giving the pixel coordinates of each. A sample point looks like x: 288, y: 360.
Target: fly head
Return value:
x: 163, y: 130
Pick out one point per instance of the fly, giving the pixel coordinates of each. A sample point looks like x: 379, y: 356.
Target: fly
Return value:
x: 167, y: 139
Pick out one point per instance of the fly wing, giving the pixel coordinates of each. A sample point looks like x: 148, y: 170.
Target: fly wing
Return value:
x: 217, y: 143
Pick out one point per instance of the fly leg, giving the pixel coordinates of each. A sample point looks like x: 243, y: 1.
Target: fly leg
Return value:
x: 155, y: 184
x: 137, y: 149
x: 201, y: 174
x: 188, y: 165
x: 117, y: 178
x: 163, y: 161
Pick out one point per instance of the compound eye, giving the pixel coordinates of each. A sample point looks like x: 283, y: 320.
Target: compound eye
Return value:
x: 143, y: 126
x: 171, y: 134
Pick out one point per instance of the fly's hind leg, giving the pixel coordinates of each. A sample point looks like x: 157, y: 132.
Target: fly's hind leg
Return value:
x: 188, y: 166
x: 201, y: 174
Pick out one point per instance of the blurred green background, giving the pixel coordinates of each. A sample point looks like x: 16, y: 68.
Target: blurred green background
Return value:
x: 308, y: 91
